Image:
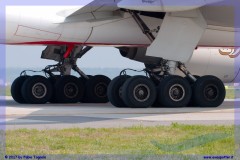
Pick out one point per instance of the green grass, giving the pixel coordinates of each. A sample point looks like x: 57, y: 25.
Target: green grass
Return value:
x: 8, y: 91
x: 232, y: 93
x: 186, y: 139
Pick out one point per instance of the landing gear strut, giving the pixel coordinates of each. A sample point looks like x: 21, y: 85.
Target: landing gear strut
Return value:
x: 61, y: 88
x: 162, y: 87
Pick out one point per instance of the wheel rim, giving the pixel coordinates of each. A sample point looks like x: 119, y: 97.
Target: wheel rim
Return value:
x: 141, y: 92
x: 211, y: 92
x: 71, y: 90
x: 39, y: 90
x: 177, y: 92
x: 101, y: 90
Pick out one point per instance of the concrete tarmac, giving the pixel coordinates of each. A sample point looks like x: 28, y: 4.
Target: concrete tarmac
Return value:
x: 59, y: 116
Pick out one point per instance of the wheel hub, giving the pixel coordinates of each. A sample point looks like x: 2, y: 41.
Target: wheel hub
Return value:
x: 141, y: 92
x: 211, y: 92
x: 177, y: 92
x: 39, y: 90
x: 101, y: 90
x: 71, y: 90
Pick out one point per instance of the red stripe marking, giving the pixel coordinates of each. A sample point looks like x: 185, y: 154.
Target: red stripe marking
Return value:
x: 68, y: 52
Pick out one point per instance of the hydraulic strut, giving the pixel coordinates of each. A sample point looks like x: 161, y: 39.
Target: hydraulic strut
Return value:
x: 142, y: 25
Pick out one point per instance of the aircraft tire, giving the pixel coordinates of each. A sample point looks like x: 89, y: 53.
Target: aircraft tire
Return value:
x: 191, y: 103
x: 53, y: 80
x: 84, y: 79
x: 174, y: 91
x: 208, y: 91
x: 96, y: 89
x: 69, y: 89
x: 139, y: 92
x: 16, y: 89
x: 114, y: 93
x: 36, y: 90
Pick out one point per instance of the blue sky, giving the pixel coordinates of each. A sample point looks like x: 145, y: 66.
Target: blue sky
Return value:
x: 28, y: 57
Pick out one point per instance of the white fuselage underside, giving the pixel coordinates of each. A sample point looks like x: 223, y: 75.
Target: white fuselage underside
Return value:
x: 41, y: 25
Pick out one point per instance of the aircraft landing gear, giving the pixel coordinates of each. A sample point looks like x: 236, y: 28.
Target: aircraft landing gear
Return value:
x: 96, y: 89
x: 208, y: 91
x: 36, y: 90
x: 174, y: 91
x: 16, y: 89
x: 162, y: 88
x: 62, y: 88
x: 139, y: 92
x: 68, y: 89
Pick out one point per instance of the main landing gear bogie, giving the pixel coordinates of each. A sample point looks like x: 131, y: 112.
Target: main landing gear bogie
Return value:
x: 60, y: 89
x: 172, y: 91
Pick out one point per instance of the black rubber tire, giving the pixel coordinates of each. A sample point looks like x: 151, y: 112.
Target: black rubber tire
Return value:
x: 130, y: 99
x: 92, y: 86
x: 156, y: 104
x: 199, y: 87
x: 191, y: 103
x: 113, y: 91
x: 61, y: 94
x: 84, y: 79
x: 164, y: 97
x: 16, y: 89
x: 53, y: 80
x: 27, y: 90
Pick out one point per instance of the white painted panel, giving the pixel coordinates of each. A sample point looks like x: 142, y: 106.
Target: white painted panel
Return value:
x: 125, y: 31
x: 29, y: 32
x: 75, y: 32
x: 217, y: 38
x: 178, y: 37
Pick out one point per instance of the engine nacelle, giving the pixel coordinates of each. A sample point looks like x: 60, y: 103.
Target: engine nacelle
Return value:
x: 223, y: 63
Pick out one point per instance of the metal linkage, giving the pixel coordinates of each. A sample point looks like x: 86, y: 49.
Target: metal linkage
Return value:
x: 67, y: 61
x: 143, y: 26
x: 166, y: 68
x: 183, y: 68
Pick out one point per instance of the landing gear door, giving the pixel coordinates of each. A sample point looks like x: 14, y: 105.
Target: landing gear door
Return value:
x: 178, y: 36
x: 52, y: 53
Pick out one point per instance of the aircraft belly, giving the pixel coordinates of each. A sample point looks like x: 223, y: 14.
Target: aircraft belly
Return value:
x: 124, y: 31
x: 22, y: 27
x: 219, y: 38
x: 75, y: 33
